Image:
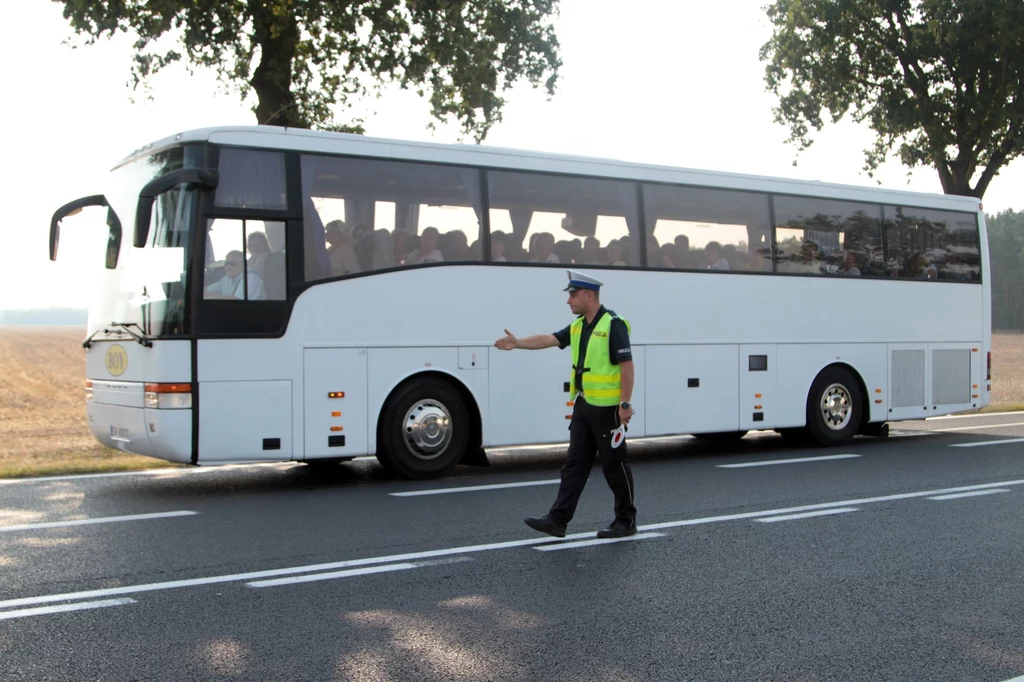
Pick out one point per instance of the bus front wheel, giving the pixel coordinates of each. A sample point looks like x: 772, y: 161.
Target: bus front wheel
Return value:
x: 424, y: 430
x: 834, y: 407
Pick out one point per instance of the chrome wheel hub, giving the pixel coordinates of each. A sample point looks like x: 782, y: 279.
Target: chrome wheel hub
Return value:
x: 836, y: 407
x: 428, y: 429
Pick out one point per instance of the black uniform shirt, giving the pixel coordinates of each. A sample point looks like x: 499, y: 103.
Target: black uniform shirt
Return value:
x: 618, y: 341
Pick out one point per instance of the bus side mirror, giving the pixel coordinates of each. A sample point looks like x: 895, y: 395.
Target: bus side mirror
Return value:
x: 69, y: 209
x: 204, y: 177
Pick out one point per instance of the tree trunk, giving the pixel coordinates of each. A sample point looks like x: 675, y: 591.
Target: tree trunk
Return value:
x: 277, y: 37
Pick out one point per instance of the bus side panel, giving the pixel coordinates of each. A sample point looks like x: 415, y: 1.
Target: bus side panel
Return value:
x: 907, y: 397
x: 759, y: 396
x: 528, y: 402
x: 692, y: 389
x: 799, y: 364
x: 245, y: 421
x: 335, y: 418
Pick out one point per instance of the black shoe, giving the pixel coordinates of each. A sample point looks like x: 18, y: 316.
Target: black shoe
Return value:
x: 546, y: 524
x: 617, y: 530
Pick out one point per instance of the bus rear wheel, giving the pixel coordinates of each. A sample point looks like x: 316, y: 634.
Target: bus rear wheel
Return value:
x: 834, y: 407
x: 424, y: 430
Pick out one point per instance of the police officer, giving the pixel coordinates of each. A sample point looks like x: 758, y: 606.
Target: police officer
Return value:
x: 602, y: 386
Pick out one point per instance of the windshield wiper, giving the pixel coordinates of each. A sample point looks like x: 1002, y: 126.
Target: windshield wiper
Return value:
x: 122, y: 328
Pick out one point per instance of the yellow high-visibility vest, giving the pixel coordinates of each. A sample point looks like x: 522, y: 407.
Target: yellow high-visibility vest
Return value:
x: 602, y: 380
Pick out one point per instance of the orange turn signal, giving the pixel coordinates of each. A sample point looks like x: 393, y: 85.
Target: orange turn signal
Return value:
x: 168, y: 388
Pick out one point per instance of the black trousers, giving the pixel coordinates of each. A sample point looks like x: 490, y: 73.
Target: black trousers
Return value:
x: 590, y: 434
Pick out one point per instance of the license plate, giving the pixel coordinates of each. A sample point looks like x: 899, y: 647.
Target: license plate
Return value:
x: 120, y: 433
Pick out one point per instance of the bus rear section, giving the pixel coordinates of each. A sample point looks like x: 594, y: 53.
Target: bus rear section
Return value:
x: 139, y: 399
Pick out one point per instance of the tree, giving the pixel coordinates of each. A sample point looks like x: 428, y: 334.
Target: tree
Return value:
x: 940, y: 81
x: 303, y: 57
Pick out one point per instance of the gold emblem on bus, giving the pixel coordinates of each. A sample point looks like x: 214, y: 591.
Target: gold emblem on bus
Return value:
x: 116, y: 360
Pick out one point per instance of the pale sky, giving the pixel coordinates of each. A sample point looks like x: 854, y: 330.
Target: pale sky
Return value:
x: 674, y: 82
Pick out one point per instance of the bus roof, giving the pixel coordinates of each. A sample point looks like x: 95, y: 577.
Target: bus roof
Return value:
x: 323, y: 142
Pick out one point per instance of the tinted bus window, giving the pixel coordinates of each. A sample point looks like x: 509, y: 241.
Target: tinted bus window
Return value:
x: 692, y: 228
x: 250, y: 178
x: 828, y: 237
x: 929, y: 244
x: 362, y: 215
x: 550, y: 219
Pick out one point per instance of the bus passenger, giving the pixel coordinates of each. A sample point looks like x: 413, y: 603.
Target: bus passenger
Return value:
x: 498, y: 247
x: 428, y: 251
x: 258, y: 248
x: 341, y: 252
x: 542, y: 248
x: 713, y: 259
x: 230, y: 286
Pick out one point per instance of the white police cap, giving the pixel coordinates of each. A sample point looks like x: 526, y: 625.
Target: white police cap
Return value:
x: 577, y: 280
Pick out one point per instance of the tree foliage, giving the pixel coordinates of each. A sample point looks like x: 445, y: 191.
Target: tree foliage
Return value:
x: 1006, y: 253
x: 304, y: 57
x: 941, y: 82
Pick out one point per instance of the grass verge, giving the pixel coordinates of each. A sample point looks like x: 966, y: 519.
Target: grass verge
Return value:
x: 77, y: 462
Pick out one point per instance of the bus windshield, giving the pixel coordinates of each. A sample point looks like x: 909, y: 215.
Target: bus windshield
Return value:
x: 148, y: 287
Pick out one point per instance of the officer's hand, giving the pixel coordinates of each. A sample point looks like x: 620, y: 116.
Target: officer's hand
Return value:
x: 625, y: 415
x: 507, y: 343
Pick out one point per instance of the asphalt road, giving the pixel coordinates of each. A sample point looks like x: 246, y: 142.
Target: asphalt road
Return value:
x: 897, y: 559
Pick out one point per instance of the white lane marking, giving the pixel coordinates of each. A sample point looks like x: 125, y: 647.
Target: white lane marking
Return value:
x: 795, y: 460
x: 596, y: 541
x: 386, y: 568
x: 473, y: 488
x: 808, y: 515
x: 987, y: 442
x: 973, y: 416
x: 957, y: 496
x: 824, y: 505
x: 1016, y: 679
x: 102, y: 519
x: 982, y: 426
x: 64, y: 608
x: 394, y: 558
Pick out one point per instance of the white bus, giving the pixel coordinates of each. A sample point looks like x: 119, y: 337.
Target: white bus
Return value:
x: 274, y: 294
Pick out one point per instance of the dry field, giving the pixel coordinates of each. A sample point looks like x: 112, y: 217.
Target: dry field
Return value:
x: 42, y: 401
x: 42, y: 406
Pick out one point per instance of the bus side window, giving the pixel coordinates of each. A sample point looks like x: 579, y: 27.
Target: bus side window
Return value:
x: 828, y: 237
x: 242, y: 263
x: 932, y: 245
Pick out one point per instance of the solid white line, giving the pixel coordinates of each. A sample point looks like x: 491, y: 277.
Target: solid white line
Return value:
x: 64, y: 608
x: 1016, y: 679
x: 473, y: 488
x: 386, y: 568
x: 957, y: 496
x: 102, y: 519
x: 987, y: 442
x: 808, y: 515
x: 795, y: 460
x: 982, y: 426
x: 256, y: 575
x: 973, y: 416
x: 596, y: 541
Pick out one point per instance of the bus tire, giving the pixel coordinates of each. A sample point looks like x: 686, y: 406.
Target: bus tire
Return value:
x: 720, y: 436
x: 834, y: 407
x: 424, y: 430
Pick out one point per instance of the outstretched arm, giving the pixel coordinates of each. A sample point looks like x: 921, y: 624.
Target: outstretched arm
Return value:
x: 535, y: 342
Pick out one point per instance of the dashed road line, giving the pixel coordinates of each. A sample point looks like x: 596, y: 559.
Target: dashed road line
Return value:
x: 64, y: 608
x: 793, y: 460
x: 975, y: 493
x: 90, y: 522
x: 982, y: 443
x: 596, y: 541
x: 334, y: 575
x: 807, y: 515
